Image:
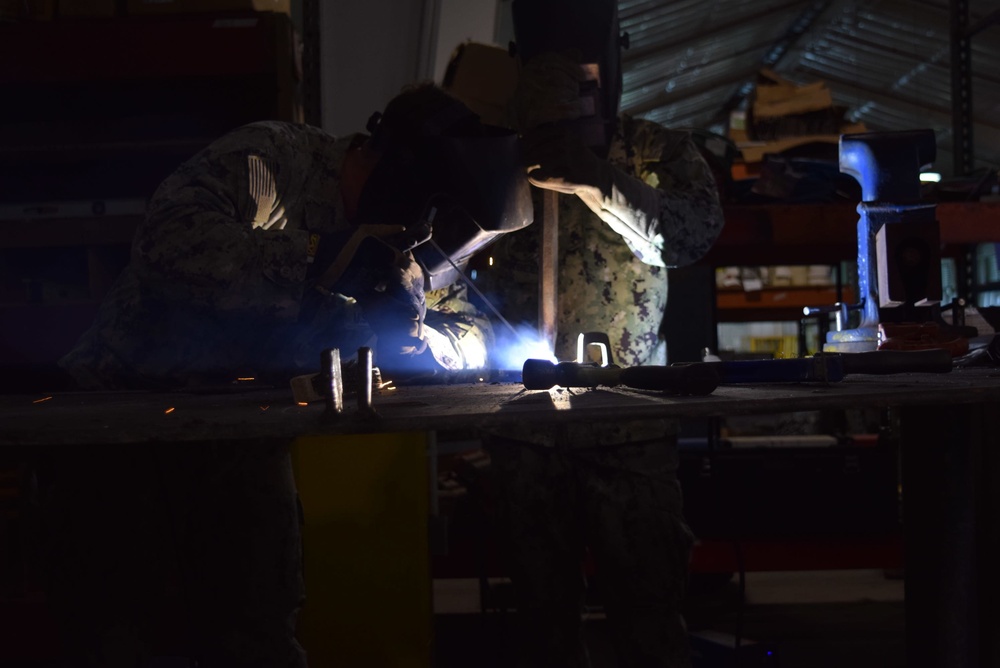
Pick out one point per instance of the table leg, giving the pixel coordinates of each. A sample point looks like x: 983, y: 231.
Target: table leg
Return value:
x: 950, y: 524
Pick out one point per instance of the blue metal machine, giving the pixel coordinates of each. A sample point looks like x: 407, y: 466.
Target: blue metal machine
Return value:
x: 899, y: 260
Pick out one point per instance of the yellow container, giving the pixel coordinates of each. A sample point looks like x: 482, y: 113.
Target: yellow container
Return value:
x: 367, y: 565
x: 779, y: 346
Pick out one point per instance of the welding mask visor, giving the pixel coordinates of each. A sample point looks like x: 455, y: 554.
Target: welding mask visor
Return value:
x: 467, y: 184
x: 590, y: 29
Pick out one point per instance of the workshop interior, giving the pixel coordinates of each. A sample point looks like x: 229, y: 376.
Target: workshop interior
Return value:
x: 855, y: 147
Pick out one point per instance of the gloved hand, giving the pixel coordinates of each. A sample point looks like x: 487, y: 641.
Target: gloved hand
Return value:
x: 394, y: 308
x: 557, y: 159
x: 548, y: 90
x: 388, y: 287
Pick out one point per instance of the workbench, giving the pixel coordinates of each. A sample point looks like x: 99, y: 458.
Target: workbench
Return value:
x: 245, y: 410
x: 948, y: 431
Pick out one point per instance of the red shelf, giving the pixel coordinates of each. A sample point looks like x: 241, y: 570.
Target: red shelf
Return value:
x: 827, y: 233
x: 142, y: 48
x: 792, y: 297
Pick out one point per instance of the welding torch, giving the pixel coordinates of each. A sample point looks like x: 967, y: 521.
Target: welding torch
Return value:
x: 699, y: 378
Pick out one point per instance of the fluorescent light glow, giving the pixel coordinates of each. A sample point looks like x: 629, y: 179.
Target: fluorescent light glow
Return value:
x: 930, y: 177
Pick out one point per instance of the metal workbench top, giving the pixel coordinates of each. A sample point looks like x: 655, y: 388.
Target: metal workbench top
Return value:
x: 243, y: 411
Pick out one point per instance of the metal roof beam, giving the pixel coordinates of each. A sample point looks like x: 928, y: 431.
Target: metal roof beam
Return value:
x: 802, y: 24
x: 666, y: 99
x: 990, y: 19
x: 718, y: 30
x: 982, y: 24
x: 938, y: 115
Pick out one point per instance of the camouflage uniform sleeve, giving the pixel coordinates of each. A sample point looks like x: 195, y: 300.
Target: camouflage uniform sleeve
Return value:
x: 460, y: 335
x: 663, y: 200
x: 214, y: 234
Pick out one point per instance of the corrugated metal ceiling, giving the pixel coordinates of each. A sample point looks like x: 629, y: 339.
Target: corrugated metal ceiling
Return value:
x: 887, y: 61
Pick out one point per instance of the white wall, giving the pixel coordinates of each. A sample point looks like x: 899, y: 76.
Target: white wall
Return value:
x: 460, y: 21
x: 371, y: 49
x: 368, y: 52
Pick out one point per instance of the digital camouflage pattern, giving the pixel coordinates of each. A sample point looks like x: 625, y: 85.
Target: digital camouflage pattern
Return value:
x: 459, y: 335
x: 217, y: 288
x: 216, y: 285
x: 610, y: 487
x: 623, y: 505
x: 609, y: 282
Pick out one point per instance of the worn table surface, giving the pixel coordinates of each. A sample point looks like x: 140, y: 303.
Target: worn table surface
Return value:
x: 247, y: 412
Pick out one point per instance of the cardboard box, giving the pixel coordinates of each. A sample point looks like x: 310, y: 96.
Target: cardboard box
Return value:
x: 483, y: 76
x: 754, y: 151
x: 87, y: 9
x: 31, y: 10
x: 773, y: 101
x: 154, y: 7
x: 776, y: 96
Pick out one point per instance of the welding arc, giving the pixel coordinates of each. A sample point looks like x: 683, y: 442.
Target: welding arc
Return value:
x: 472, y: 285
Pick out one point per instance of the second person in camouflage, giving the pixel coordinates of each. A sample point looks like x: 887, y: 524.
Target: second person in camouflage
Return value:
x: 610, y: 488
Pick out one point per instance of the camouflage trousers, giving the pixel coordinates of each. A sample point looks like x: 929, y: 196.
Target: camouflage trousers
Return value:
x: 189, y: 550
x: 623, y: 504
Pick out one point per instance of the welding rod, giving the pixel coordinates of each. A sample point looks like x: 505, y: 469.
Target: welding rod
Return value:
x: 472, y: 285
x: 333, y: 386
x: 365, y: 380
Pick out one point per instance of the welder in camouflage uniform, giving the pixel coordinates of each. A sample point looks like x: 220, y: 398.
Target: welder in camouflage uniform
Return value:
x: 610, y: 488
x: 246, y: 265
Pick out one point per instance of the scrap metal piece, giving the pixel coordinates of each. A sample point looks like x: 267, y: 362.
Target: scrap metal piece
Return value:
x: 364, y: 372
x: 332, y: 382
x: 587, y: 341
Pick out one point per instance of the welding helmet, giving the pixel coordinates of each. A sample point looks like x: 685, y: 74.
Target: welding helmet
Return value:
x: 440, y: 167
x: 589, y: 28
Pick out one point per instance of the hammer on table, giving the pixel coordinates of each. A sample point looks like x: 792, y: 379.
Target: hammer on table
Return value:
x: 699, y: 378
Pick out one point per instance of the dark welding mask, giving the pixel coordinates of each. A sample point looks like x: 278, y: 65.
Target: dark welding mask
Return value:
x: 443, y: 171
x: 587, y: 27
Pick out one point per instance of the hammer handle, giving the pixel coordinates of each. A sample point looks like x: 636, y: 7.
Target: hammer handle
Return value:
x: 698, y: 378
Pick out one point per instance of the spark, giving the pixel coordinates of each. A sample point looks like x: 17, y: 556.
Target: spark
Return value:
x: 240, y: 380
x: 169, y: 410
x: 303, y: 403
x: 38, y: 401
x: 264, y: 408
